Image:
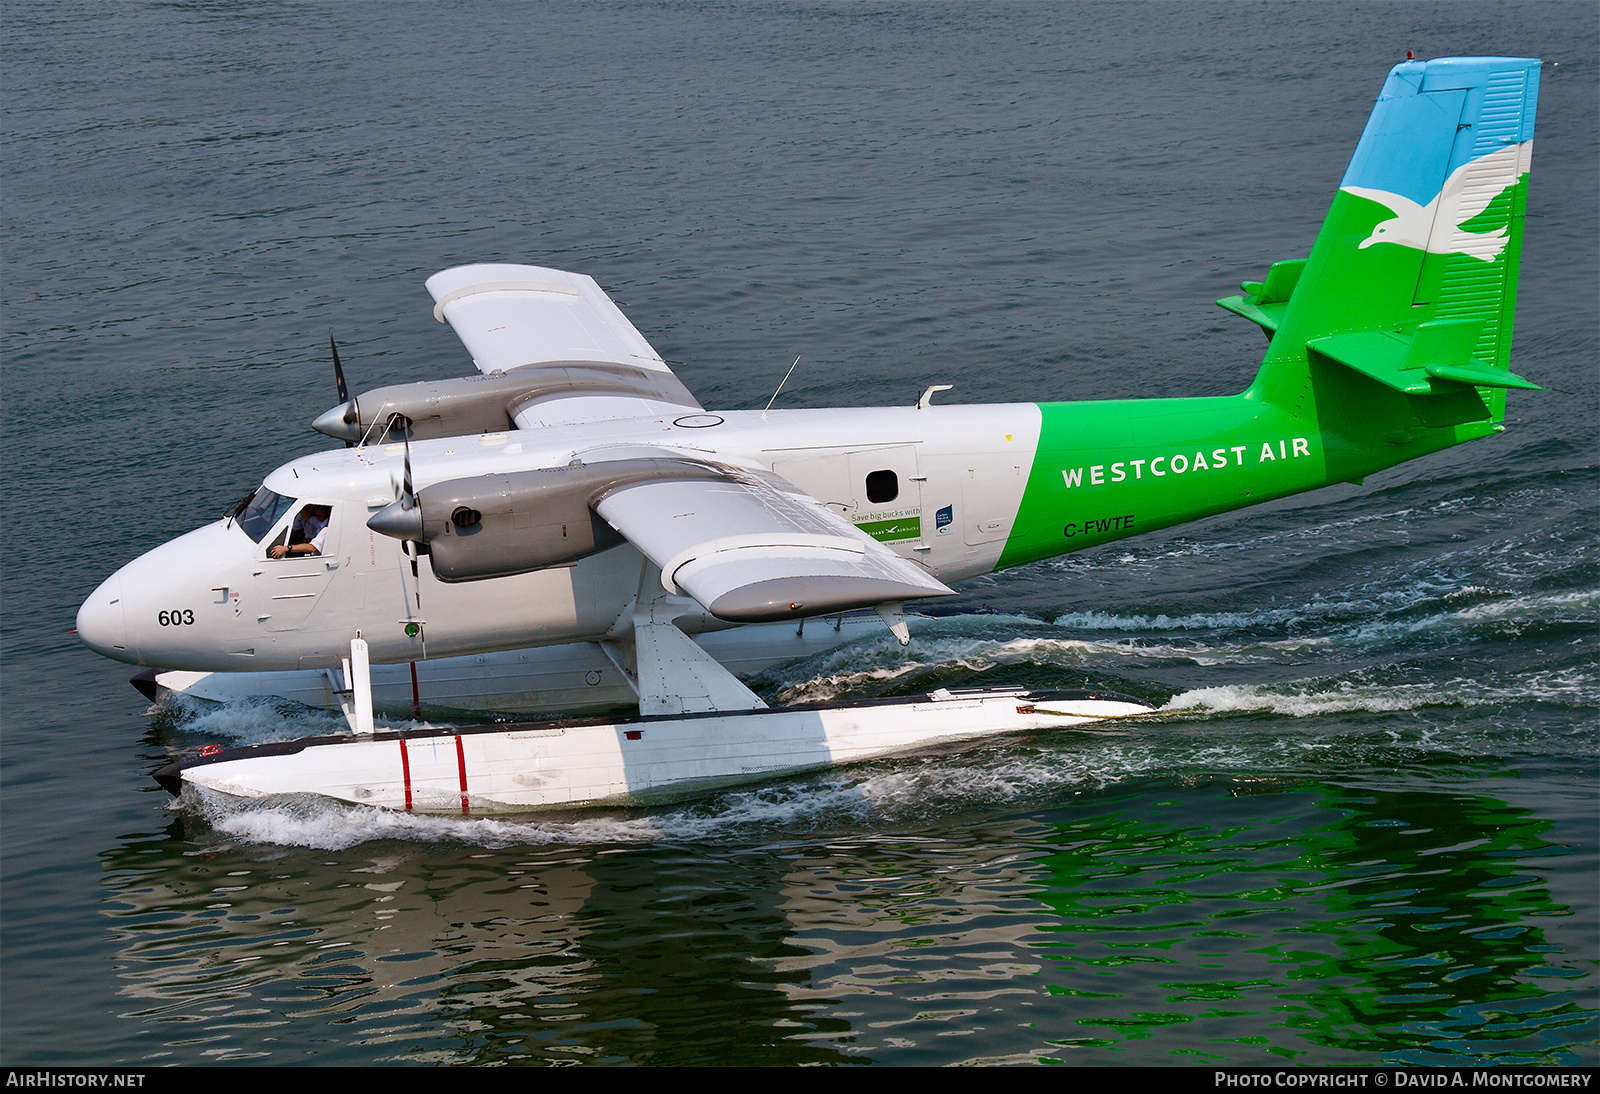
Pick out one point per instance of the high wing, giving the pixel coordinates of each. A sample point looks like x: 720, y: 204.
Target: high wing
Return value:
x: 563, y: 328
x: 746, y: 544
x: 751, y: 547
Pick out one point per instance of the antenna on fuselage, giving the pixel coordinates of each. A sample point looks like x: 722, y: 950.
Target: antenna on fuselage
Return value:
x: 781, y: 382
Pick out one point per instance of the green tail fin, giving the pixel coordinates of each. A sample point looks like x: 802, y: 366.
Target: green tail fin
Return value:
x: 1397, y: 327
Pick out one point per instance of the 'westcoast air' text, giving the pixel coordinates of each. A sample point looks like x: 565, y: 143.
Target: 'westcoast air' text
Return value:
x: 1181, y: 463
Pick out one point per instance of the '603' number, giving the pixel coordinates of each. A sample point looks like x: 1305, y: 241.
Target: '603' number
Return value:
x: 176, y: 618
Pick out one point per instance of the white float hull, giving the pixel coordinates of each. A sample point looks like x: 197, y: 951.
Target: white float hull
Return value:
x: 553, y: 765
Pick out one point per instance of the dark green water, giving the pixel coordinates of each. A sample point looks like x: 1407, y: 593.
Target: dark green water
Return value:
x: 1366, y: 830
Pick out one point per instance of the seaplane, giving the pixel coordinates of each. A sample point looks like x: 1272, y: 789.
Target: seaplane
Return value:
x: 573, y: 494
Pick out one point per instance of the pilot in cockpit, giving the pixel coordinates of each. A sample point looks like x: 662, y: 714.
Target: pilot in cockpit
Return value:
x: 306, y: 536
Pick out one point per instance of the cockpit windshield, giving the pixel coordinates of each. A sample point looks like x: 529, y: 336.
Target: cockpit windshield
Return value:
x: 259, y: 512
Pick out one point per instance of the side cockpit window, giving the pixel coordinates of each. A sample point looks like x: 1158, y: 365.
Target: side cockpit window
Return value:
x: 308, y: 533
x: 260, y: 511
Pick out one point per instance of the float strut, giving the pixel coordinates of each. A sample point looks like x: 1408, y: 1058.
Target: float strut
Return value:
x: 358, y: 679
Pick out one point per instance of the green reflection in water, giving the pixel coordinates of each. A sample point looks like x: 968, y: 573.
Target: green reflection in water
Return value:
x: 1241, y: 922
x: 1410, y: 926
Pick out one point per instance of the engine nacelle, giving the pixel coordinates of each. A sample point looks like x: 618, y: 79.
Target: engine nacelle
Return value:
x: 500, y: 525
x: 486, y: 404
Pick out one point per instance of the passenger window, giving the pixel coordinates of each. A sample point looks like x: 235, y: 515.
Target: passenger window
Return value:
x: 882, y: 486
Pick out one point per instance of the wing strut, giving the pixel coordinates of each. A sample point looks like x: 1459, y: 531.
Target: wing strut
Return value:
x: 666, y: 668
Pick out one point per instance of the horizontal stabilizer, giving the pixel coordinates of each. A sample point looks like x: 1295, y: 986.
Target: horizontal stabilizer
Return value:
x: 1266, y: 301
x: 1435, y: 361
x: 1478, y: 374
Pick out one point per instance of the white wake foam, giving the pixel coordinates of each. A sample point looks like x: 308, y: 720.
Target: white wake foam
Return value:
x: 252, y: 721
x: 1309, y: 699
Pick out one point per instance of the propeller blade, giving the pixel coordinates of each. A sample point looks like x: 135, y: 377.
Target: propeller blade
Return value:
x: 338, y: 371
x: 406, y: 485
x: 338, y: 421
x: 405, y: 520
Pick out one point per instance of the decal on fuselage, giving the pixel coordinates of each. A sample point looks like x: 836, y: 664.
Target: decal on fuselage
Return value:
x: 893, y: 525
x: 1178, y: 463
x: 1099, y: 525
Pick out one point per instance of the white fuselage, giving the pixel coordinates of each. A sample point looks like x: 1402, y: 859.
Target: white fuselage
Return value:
x: 213, y: 600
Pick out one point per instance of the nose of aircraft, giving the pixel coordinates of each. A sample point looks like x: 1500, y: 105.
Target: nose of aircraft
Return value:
x: 168, y: 606
x: 101, y: 625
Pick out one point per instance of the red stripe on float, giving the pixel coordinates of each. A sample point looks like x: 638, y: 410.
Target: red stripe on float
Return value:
x: 461, y: 765
x: 405, y: 771
x: 416, y: 696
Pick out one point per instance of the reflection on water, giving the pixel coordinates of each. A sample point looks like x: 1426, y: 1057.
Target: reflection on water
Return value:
x: 1238, y: 921
x: 1403, y: 924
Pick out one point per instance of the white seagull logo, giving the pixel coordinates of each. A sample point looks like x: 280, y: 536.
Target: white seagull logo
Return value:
x: 1436, y: 226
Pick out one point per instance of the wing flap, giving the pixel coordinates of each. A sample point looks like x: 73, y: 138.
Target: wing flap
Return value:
x: 751, y: 547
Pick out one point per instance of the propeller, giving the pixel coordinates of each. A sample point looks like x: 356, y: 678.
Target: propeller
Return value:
x: 411, y: 513
x: 402, y: 519
x: 344, y: 420
x: 413, y: 548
